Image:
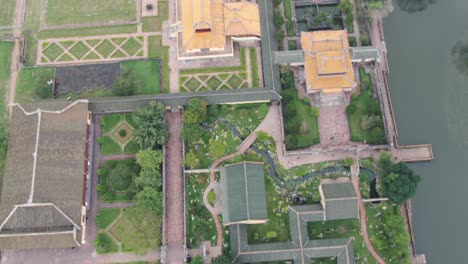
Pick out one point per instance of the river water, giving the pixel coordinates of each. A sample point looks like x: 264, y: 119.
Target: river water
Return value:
x: 430, y: 99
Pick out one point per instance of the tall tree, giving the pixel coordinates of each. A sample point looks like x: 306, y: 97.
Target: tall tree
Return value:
x: 151, y: 199
x: 149, y: 158
x: 151, y: 127
x: 149, y: 178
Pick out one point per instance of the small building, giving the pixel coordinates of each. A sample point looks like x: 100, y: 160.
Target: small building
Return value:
x: 208, y: 27
x: 243, y: 194
x: 43, y: 203
x: 327, y: 63
x: 339, y: 199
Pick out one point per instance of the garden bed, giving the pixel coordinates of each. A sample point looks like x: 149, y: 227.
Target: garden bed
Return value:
x: 116, y: 180
x: 199, y: 221
x: 365, y: 115
x: 118, y: 131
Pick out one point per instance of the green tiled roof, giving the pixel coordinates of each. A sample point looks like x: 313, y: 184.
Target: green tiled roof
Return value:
x: 243, y: 192
x: 338, y: 190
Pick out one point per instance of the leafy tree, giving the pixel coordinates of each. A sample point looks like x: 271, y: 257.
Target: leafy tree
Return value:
x: 321, y: 19
x: 398, y: 180
x: 126, y: 84
x: 348, y: 162
x: 349, y: 19
x: 44, y: 91
x: 412, y: 6
x: 151, y: 199
x: 278, y: 19
x: 191, y: 159
x: 377, y: 136
x: 149, y: 178
x: 460, y: 57
x: 375, y: 5
x: 345, y: 6
x: 393, y: 238
x: 216, y: 148
x: 149, y: 159
x: 151, y: 129
x: 196, y: 111
x: 279, y: 35
x: 369, y: 121
x: 192, y: 132
x: 197, y: 260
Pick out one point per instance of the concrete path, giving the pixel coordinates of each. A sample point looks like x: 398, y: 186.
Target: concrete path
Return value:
x: 175, y: 216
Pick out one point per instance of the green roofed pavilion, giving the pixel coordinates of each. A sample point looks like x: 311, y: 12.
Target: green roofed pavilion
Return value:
x: 243, y: 193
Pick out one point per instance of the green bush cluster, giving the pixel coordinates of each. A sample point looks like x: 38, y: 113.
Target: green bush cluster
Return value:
x: 149, y: 181
x: 300, y: 119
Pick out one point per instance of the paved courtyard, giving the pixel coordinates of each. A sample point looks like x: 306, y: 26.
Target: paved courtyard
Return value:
x: 333, y: 126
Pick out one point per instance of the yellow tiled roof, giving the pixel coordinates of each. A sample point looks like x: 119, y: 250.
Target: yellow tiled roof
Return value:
x: 241, y: 18
x: 327, y: 64
x: 219, y: 20
x: 194, y: 14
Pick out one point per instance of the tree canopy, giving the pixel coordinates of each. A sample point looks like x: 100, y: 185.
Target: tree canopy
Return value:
x: 398, y: 180
x: 151, y: 129
x: 126, y: 84
x: 197, y: 260
x: 151, y: 199
x: 194, y: 115
x: 149, y: 158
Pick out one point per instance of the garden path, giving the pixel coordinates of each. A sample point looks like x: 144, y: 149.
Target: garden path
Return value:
x: 15, y: 54
x: 174, y: 191
x: 362, y: 212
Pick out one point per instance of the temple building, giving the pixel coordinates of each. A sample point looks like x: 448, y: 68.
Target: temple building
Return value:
x: 327, y: 64
x: 209, y: 27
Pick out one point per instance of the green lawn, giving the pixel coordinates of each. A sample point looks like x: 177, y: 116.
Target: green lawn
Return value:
x: 108, y: 122
x: 200, y: 223
x: 154, y: 24
x: 28, y: 80
x: 138, y: 229
x: 148, y: 74
x: 5, y: 58
x: 387, y: 230
x: 106, y: 193
x: 105, y: 244
x: 254, y: 68
x: 300, y: 124
x: 59, y: 12
x: 7, y: 12
x: 129, y: 119
x: 106, y: 216
x: 109, y: 146
x: 342, y: 229
x: 364, y: 114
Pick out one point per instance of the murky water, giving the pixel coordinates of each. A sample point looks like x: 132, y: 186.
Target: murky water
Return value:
x: 430, y: 99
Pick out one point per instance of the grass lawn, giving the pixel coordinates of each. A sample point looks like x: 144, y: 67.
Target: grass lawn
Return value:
x: 28, y: 80
x: 109, y: 146
x: 387, y: 230
x: 300, y: 124
x: 138, y: 229
x: 105, y: 244
x: 7, y: 12
x: 129, y: 119
x: 148, y: 74
x: 86, y: 94
x: 106, y: 216
x: 342, y: 229
x: 278, y: 219
x: 108, y: 171
x: 200, y: 223
x: 5, y: 58
x: 108, y: 122
x: 254, y: 68
x: 59, y: 12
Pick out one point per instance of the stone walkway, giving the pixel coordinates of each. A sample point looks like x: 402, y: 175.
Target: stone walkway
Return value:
x: 174, y: 188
